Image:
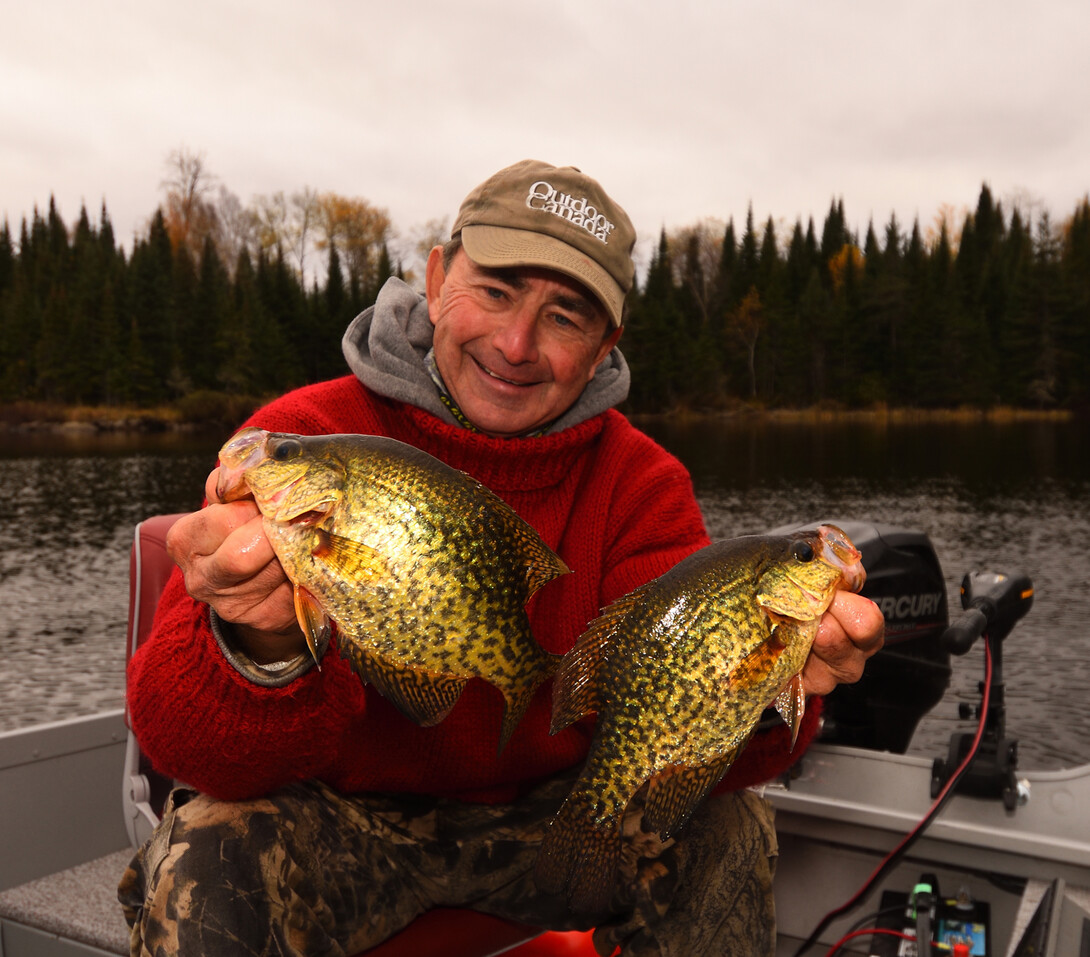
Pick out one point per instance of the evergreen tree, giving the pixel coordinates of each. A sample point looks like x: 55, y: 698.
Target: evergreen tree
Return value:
x: 794, y: 329
x: 1075, y: 321
x: 1049, y: 360
x: 151, y: 315
x: 235, y: 345
x: 7, y: 259
x: 723, y: 283
x: 655, y: 339
x: 204, y: 345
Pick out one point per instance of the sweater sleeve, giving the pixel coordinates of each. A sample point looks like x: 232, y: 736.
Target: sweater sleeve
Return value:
x: 255, y: 738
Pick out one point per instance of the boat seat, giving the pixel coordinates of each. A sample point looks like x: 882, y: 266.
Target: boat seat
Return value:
x: 443, y: 932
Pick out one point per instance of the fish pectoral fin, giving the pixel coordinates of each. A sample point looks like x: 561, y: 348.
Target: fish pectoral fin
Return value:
x: 754, y: 667
x: 350, y: 559
x: 422, y: 696
x: 312, y: 619
x: 675, y: 792
x: 791, y: 704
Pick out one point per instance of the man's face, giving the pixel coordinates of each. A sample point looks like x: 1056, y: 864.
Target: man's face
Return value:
x: 515, y: 347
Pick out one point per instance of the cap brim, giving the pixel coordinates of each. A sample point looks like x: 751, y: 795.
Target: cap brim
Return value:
x: 500, y: 246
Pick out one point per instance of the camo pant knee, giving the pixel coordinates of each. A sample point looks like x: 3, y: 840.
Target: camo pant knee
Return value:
x: 709, y: 891
x: 308, y: 871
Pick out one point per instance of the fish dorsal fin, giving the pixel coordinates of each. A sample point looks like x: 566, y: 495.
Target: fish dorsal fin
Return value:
x: 754, y: 667
x: 578, y: 679
x: 676, y: 791
x: 422, y: 696
x: 542, y: 563
x: 791, y: 704
x: 312, y: 619
x: 352, y: 560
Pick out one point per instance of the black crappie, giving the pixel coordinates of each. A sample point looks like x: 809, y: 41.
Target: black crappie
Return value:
x: 425, y: 571
x: 679, y: 672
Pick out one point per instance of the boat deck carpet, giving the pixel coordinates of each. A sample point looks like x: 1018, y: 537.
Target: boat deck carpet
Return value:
x: 88, y: 910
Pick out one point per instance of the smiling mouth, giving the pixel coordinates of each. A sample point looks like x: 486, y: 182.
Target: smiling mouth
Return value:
x: 499, y: 378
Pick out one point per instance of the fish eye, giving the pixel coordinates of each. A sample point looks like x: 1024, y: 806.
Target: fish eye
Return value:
x: 287, y: 449
x: 803, y: 551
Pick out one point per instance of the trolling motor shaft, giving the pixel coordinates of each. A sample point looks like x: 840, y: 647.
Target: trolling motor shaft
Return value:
x: 993, y: 602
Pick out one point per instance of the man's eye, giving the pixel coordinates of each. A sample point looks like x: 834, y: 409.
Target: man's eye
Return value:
x: 493, y: 292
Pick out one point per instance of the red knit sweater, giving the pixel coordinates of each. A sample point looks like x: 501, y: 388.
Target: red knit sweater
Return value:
x: 614, y: 505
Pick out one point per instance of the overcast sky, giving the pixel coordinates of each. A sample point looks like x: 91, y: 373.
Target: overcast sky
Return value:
x: 684, y: 110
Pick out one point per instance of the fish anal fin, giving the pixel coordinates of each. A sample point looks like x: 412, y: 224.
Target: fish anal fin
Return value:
x: 515, y: 704
x: 312, y: 619
x: 791, y: 704
x: 422, y: 696
x: 352, y: 560
x: 578, y: 679
x: 675, y: 792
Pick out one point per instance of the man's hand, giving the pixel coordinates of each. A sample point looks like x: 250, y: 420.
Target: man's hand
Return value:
x: 228, y: 562
x: 850, y: 632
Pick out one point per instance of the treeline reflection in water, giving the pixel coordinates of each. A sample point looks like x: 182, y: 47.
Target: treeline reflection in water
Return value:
x: 1002, y: 497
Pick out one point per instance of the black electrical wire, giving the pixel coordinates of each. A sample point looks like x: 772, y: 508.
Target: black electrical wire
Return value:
x: 909, y: 839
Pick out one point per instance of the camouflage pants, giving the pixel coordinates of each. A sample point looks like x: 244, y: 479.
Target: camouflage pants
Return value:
x: 308, y: 871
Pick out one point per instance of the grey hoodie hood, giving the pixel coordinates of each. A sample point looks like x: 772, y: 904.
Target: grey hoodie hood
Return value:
x: 387, y: 344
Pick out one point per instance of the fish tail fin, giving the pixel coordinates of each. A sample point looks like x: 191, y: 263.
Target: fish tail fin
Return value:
x: 579, y: 859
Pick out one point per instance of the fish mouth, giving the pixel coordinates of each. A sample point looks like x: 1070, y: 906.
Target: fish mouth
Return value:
x: 837, y: 549
x: 241, y: 452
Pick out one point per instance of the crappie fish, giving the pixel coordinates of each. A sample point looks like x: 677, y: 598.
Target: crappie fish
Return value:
x: 425, y: 571
x: 679, y: 672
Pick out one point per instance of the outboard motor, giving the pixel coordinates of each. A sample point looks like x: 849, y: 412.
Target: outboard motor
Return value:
x: 911, y: 673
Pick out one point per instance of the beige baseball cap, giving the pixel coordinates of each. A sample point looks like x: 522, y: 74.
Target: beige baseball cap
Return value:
x: 534, y: 214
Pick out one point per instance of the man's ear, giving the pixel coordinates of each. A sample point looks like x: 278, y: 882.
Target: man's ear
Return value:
x: 435, y: 275
x: 605, y: 348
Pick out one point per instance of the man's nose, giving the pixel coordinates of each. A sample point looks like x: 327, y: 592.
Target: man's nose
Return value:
x: 516, y: 338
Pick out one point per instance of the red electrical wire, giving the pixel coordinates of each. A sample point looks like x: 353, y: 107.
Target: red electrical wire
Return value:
x: 872, y: 932
x: 868, y: 885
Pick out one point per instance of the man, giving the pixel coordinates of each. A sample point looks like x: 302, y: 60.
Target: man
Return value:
x: 323, y: 820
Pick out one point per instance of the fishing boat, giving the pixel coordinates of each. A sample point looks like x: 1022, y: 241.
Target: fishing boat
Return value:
x: 878, y: 849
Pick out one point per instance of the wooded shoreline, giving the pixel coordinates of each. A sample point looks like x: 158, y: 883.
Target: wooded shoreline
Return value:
x: 33, y: 417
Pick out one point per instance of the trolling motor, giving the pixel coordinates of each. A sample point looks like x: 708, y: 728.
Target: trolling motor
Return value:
x: 993, y: 602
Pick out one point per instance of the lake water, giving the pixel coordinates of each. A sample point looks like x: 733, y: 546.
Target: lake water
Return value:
x: 1001, y: 497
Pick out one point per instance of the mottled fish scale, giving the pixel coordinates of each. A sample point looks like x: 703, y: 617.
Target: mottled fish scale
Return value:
x: 426, y: 572
x: 679, y: 672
